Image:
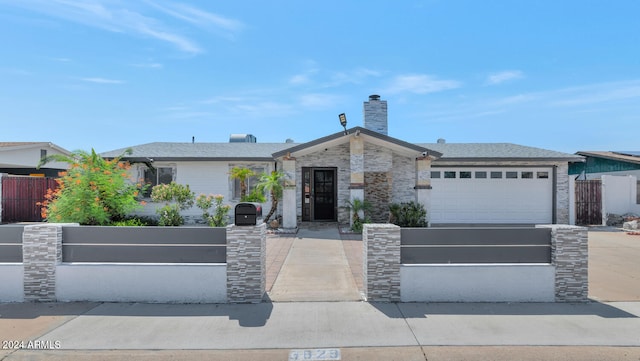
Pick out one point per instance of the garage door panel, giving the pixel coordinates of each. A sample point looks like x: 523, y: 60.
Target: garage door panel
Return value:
x: 502, y: 200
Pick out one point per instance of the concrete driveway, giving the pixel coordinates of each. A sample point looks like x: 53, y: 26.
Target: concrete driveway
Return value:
x: 614, y: 266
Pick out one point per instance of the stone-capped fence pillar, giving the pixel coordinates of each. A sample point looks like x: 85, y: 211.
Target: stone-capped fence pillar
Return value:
x: 381, y: 262
x: 569, y: 256
x: 246, y: 263
x: 41, y: 253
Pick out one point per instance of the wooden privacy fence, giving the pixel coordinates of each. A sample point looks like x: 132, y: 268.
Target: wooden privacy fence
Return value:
x: 20, y: 196
x: 588, y: 194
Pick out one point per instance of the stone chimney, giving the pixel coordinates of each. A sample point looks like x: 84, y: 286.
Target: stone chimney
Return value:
x: 375, y: 114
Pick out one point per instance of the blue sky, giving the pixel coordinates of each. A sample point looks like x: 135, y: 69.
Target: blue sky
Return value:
x: 108, y: 74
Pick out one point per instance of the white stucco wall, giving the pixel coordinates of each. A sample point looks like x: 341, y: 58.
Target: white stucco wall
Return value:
x: 11, y: 282
x: 619, y: 195
x: 477, y: 283
x: 204, y: 178
x: 180, y: 283
x: 29, y: 157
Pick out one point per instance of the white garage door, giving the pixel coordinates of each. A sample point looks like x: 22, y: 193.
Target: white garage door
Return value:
x: 491, y: 195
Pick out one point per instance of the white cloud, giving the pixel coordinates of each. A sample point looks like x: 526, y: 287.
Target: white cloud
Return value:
x: 597, y: 93
x: 223, y: 99
x: 148, y: 65
x: 504, y: 76
x: 263, y: 109
x: 199, y: 17
x: 420, y: 84
x: 133, y: 18
x: 103, y: 81
x: 317, y: 100
x: 299, y: 79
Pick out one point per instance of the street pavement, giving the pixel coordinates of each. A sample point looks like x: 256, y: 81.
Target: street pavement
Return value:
x: 359, y: 330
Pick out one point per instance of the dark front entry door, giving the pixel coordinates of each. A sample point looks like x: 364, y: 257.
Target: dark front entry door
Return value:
x: 319, y: 194
x: 324, y: 194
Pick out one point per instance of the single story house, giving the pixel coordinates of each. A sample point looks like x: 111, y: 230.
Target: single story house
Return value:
x: 22, y: 158
x: 616, y: 190
x: 469, y: 183
x: 598, y: 163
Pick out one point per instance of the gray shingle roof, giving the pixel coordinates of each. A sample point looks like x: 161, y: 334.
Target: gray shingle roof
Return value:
x: 202, y: 151
x: 475, y: 151
x: 264, y: 151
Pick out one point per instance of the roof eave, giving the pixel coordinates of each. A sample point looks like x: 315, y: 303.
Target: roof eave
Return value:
x: 506, y: 159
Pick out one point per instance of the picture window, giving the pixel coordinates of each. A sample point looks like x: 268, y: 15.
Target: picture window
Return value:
x: 155, y: 176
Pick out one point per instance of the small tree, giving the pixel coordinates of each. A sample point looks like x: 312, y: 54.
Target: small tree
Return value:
x: 242, y: 174
x: 177, y: 197
x: 94, y: 191
x: 358, y: 206
x: 271, y: 183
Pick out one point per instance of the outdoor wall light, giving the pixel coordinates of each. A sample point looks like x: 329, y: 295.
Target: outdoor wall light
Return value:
x: 343, y: 121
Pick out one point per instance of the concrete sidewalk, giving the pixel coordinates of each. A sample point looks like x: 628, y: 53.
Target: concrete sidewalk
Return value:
x: 411, y: 327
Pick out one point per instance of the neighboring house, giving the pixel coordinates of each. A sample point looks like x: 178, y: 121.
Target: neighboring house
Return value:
x: 598, y: 163
x: 22, y: 183
x: 618, y: 191
x: 22, y: 158
x: 496, y: 183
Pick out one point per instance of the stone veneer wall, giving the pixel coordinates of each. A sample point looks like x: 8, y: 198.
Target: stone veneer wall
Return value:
x: 569, y: 256
x: 337, y: 156
x: 404, y: 179
x: 246, y: 263
x: 377, y: 191
x: 401, y: 172
x: 41, y: 253
x: 562, y: 193
x: 381, y: 262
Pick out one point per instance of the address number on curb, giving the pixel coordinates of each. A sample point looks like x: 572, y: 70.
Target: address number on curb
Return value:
x: 315, y: 354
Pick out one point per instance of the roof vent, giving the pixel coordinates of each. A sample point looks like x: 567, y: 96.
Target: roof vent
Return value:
x: 289, y: 140
x: 441, y: 141
x: 242, y: 138
x: 374, y: 97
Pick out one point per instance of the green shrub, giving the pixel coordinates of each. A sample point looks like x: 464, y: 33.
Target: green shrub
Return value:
x: 254, y: 196
x: 408, y: 214
x: 177, y: 197
x: 131, y: 222
x: 94, y: 191
x: 220, y: 214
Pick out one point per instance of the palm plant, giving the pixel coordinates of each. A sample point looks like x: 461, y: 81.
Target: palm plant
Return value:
x: 358, y: 206
x: 242, y: 174
x: 272, y: 183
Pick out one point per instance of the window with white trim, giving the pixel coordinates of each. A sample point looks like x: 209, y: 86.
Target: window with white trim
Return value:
x: 251, y: 182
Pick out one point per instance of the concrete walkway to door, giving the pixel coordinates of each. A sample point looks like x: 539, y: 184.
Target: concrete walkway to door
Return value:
x: 316, y: 269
